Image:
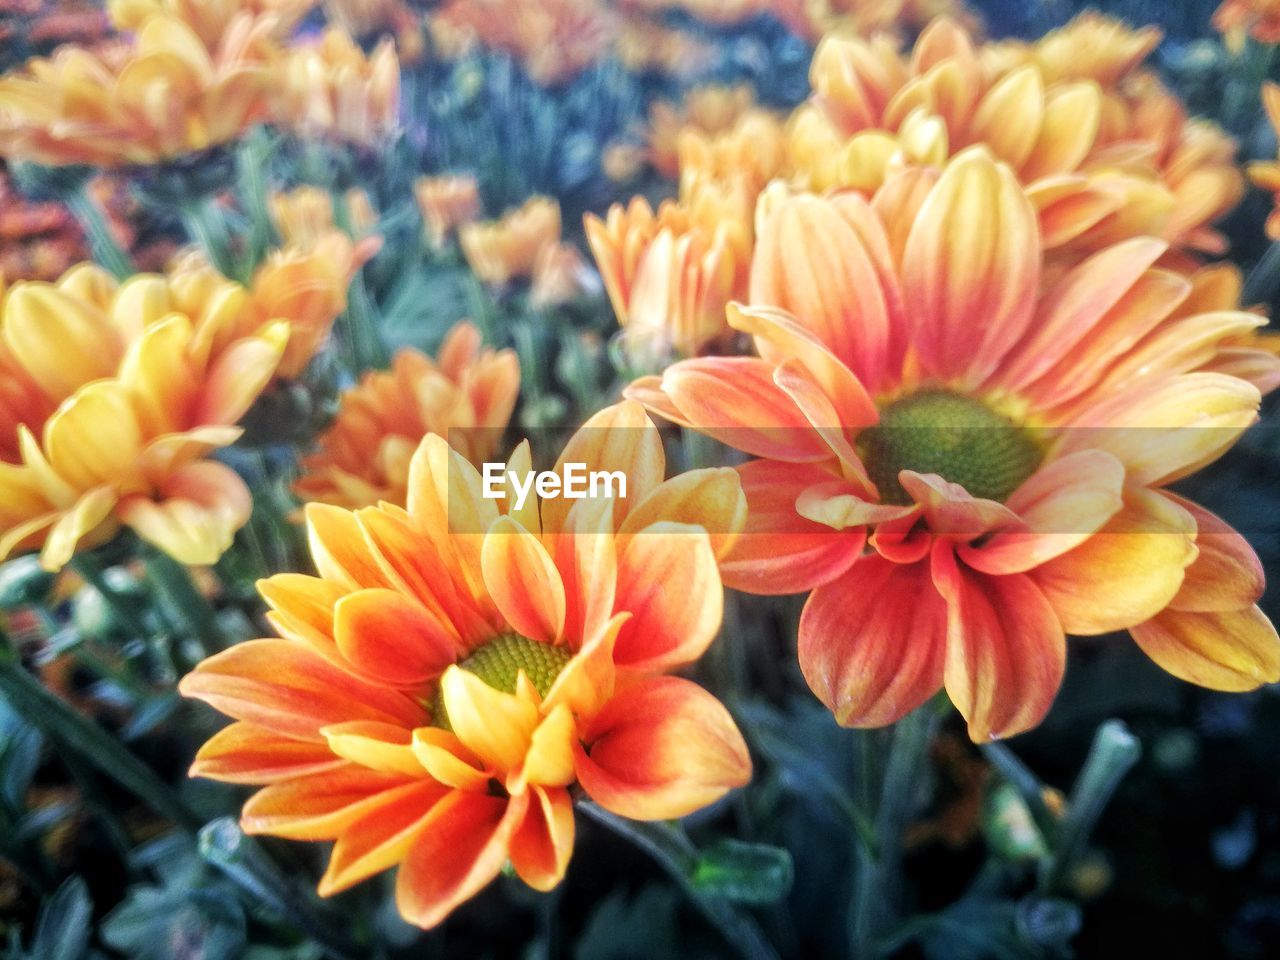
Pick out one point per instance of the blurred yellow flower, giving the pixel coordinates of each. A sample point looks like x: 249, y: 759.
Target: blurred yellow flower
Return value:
x: 500, y: 251
x: 331, y: 89
x: 446, y: 203
x: 114, y: 397
x: 208, y: 19
x: 158, y: 99
x: 466, y: 396
x: 303, y: 215
x: 710, y: 110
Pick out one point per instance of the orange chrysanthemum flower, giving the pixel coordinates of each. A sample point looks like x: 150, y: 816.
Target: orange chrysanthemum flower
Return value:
x: 304, y: 215
x: 499, y: 251
x: 458, y: 666
x: 331, y: 89
x: 446, y: 202
x: 1267, y: 174
x: 1105, y: 152
x: 712, y: 110
x: 466, y: 397
x: 670, y: 276
x: 156, y: 100
x: 113, y: 398
x: 1236, y: 19
x: 554, y: 39
x: 965, y: 459
x: 208, y: 19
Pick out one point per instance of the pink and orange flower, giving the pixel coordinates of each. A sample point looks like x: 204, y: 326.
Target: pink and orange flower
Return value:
x: 965, y: 458
x: 459, y: 665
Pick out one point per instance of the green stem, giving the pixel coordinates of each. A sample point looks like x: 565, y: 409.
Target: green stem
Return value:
x: 102, y: 244
x: 1263, y: 280
x: 367, y: 346
x: 1015, y: 772
x: 252, y: 160
x: 676, y: 854
x: 75, y: 733
x: 208, y: 228
x: 187, y: 608
x: 94, y: 574
x: 1114, y: 752
x: 878, y: 889
x: 224, y: 845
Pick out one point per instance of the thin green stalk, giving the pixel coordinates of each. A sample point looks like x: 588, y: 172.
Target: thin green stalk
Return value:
x: 208, y: 228
x: 252, y: 160
x: 102, y: 244
x: 186, y: 607
x: 1009, y: 766
x: 878, y: 890
x: 676, y: 854
x: 75, y: 733
x: 1264, y: 279
x: 367, y: 346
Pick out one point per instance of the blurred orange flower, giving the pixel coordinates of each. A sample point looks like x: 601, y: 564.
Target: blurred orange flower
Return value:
x: 158, y: 99
x: 303, y: 215
x: 331, y: 89
x: 466, y: 397
x: 670, y: 276
x: 446, y: 202
x: 964, y: 458
x: 554, y: 39
x: 499, y: 251
x: 460, y: 665
x: 1259, y: 19
x: 711, y: 110
x: 114, y: 396
x: 1103, y: 149
x: 1267, y: 174
x: 208, y: 19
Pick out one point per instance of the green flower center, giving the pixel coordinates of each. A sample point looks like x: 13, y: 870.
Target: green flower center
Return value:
x: 957, y: 437
x: 500, y: 661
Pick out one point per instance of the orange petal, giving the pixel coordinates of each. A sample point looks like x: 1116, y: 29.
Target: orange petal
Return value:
x: 244, y: 753
x: 523, y: 581
x: 94, y: 437
x: 950, y: 510
x: 1234, y: 650
x: 711, y: 498
x: 302, y: 609
x: 444, y: 757
x: 735, y: 401
x: 339, y: 550
x: 662, y: 748
x: 292, y: 691
x: 586, y: 556
x: 873, y: 642
x: 1226, y: 574
x: 587, y: 681
x: 388, y: 638
x: 493, y: 725
x: 381, y: 835
x: 459, y: 852
x: 317, y: 806
x: 1006, y: 650
x: 1127, y: 572
x: 541, y: 848
x: 239, y: 375
x: 780, y: 551
x: 90, y: 513
x: 971, y: 268
x: 195, y: 514
x: 668, y: 582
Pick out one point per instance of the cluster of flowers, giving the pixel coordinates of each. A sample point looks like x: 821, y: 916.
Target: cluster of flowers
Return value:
x: 956, y: 309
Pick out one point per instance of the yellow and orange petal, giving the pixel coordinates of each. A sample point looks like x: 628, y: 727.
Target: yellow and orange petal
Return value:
x: 446, y: 203
x: 156, y: 98
x: 1259, y: 19
x: 118, y: 395
x: 208, y: 20
x: 499, y: 251
x: 459, y: 664
x: 466, y: 396
x: 964, y: 452
x: 331, y: 89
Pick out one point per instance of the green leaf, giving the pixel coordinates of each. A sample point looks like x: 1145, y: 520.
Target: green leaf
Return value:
x: 752, y: 873
x: 62, y: 931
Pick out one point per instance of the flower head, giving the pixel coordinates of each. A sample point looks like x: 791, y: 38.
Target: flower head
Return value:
x: 208, y: 19
x: 114, y: 397
x: 712, y: 110
x: 964, y: 457
x: 332, y: 89
x: 446, y: 202
x: 162, y: 97
x: 458, y: 665
x: 466, y: 396
x: 1236, y: 19
x: 671, y: 274
x: 304, y: 215
x: 1104, y: 150
x: 499, y: 251
x: 1267, y: 175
